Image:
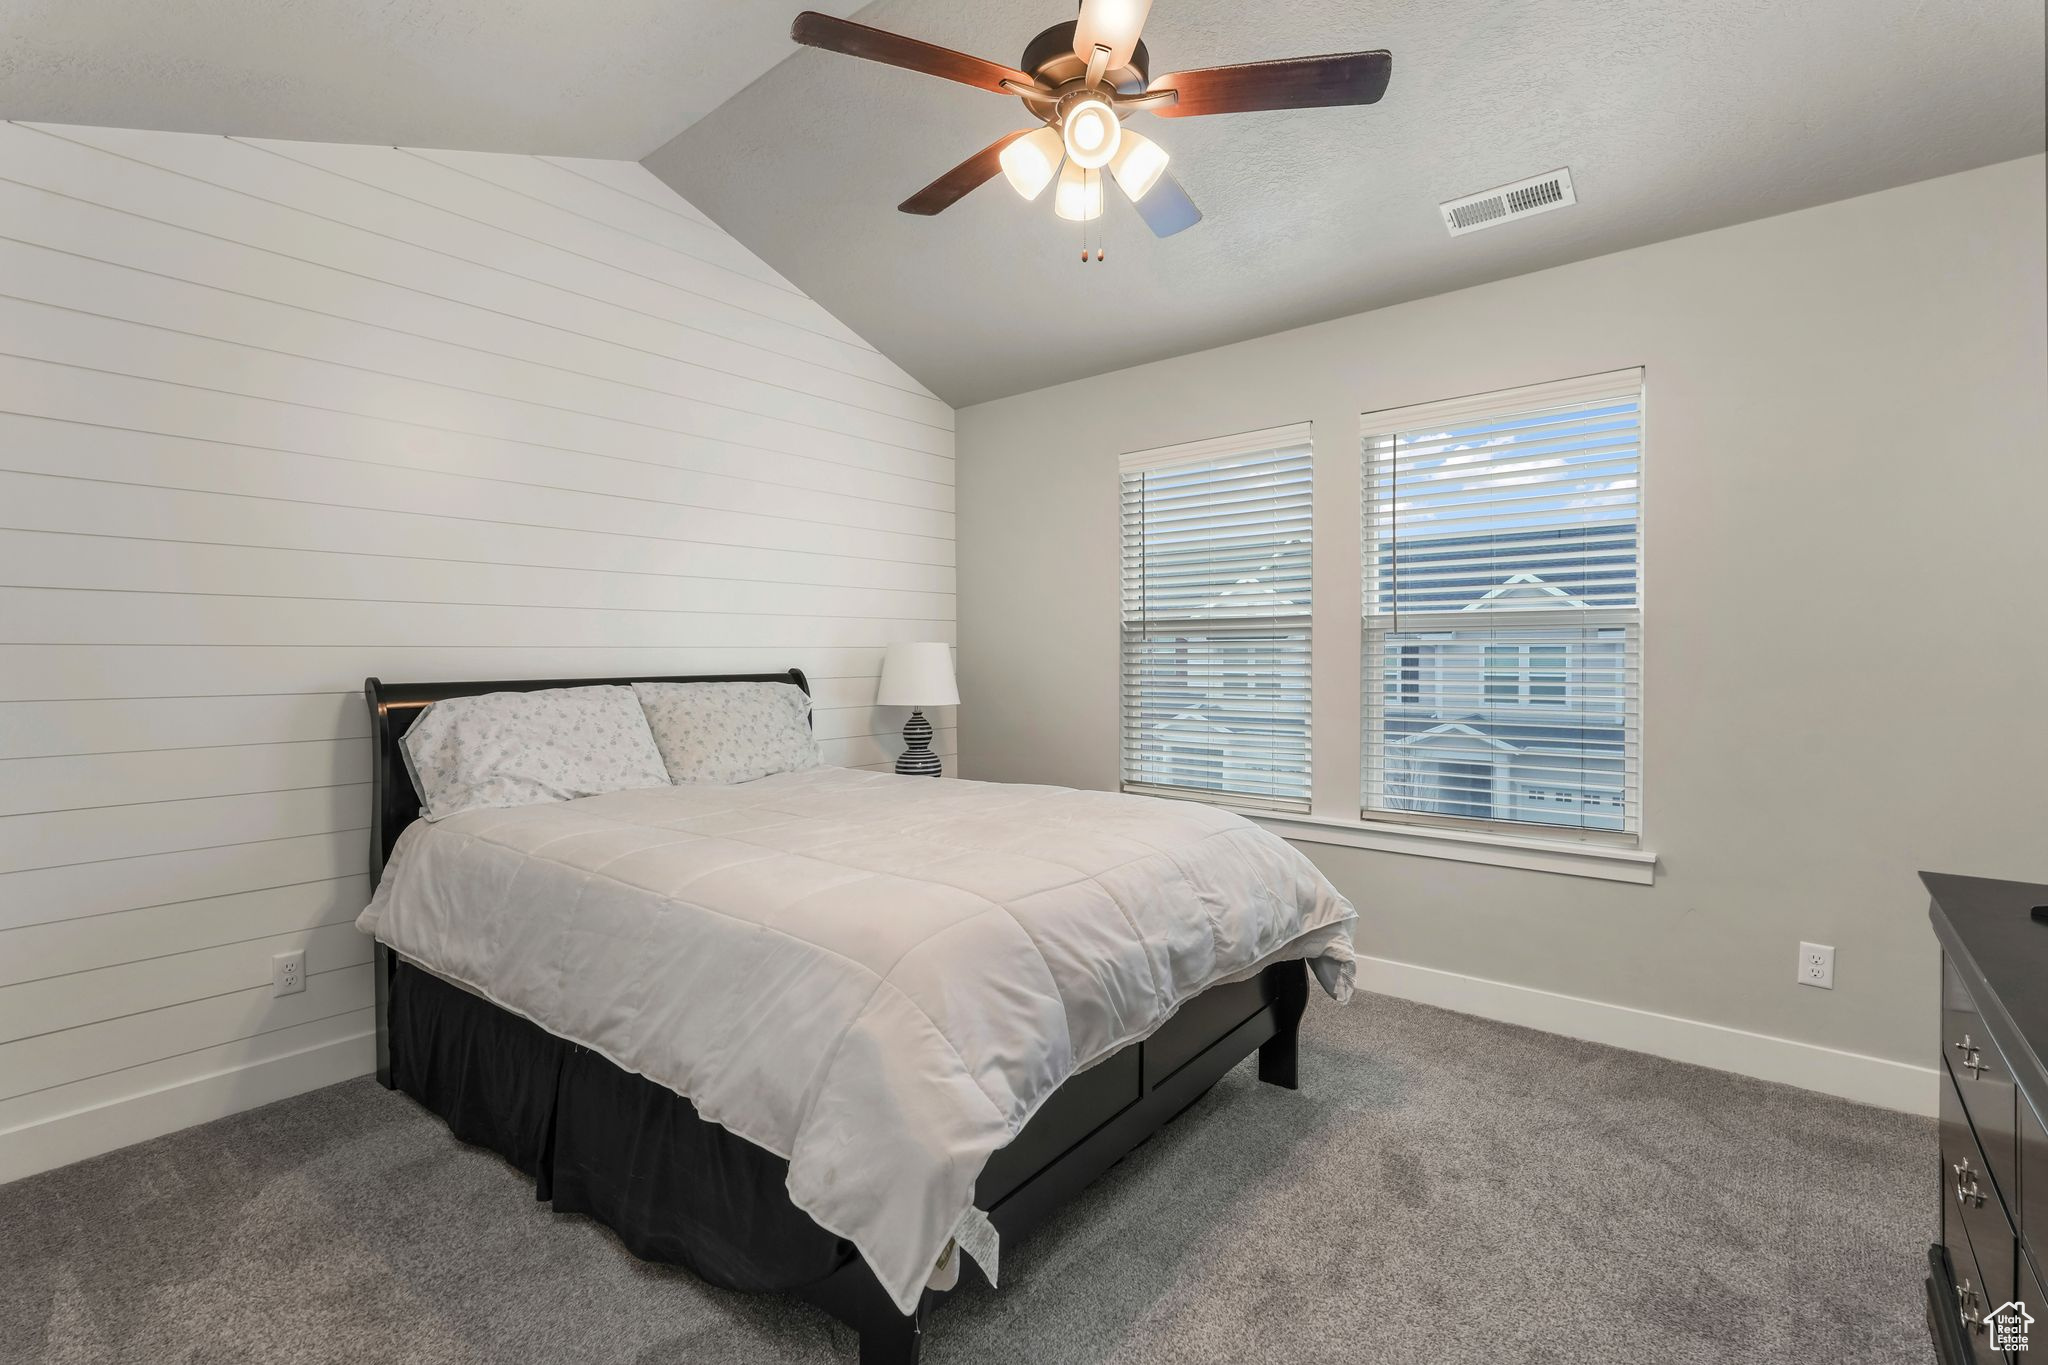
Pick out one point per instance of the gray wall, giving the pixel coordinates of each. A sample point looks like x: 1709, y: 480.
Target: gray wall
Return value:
x: 1846, y: 543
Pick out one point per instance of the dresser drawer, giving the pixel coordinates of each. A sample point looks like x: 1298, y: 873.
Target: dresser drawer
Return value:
x: 2033, y: 1209
x: 2032, y: 1298
x: 1985, y: 1083
x: 1967, y: 1303
x: 1973, y: 1222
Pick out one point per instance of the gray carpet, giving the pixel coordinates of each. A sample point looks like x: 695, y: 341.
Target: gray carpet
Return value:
x: 1442, y: 1189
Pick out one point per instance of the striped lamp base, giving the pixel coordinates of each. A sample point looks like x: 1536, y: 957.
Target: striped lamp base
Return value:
x: 917, y: 758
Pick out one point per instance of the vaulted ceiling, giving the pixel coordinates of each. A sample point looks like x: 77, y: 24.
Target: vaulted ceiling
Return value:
x: 1673, y: 118
x: 605, y: 78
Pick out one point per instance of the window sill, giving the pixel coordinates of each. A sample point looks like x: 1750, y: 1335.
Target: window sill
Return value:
x: 1571, y: 859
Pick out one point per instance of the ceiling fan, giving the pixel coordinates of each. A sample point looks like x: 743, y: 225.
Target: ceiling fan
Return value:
x: 1081, y: 80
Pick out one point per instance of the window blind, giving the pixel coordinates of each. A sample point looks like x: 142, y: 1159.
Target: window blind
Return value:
x: 1503, y: 608
x: 1216, y: 619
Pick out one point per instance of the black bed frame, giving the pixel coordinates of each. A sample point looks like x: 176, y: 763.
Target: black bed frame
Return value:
x: 1099, y: 1116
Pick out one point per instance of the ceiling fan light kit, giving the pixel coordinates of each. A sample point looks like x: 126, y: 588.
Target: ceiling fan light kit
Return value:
x: 1031, y: 161
x: 1137, y: 165
x: 1082, y: 80
x: 1090, y: 131
x: 1079, y: 197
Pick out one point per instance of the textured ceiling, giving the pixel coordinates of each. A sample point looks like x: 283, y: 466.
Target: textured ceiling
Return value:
x: 615, y: 78
x: 1673, y: 117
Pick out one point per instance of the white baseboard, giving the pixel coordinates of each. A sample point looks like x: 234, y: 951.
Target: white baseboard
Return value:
x: 1851, y: 1075
x: 81, y: 1133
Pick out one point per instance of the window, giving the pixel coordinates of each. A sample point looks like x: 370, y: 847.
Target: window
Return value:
x: 1411, y: 672
x: 1216, y: 619
x: 1503, y: 672
x: 1547, y: 674
x: 1503, y: 608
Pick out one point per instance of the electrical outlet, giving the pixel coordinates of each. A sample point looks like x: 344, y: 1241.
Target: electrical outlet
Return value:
x: 1816, y: 966
x: 288, y: 973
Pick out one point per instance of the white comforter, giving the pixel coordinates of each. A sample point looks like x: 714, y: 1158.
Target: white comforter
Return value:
x: 879, y: 978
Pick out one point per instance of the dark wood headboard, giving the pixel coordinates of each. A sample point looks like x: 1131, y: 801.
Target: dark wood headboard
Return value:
x: 395, y: 706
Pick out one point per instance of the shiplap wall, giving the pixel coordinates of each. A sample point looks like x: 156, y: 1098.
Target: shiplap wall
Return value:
x: 277, y: 416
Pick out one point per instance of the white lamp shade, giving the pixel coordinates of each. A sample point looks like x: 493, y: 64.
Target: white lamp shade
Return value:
x: 1079, y: 196
x: 918, y: 675
x: 1030, y: 161
x: 1138, y: 164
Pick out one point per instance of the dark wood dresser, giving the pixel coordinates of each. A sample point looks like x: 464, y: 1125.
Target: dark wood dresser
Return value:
x: 1985, y: 1275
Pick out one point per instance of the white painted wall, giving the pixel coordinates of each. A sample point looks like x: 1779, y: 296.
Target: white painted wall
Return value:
x: 277, y: 416
x: 1846, y: 667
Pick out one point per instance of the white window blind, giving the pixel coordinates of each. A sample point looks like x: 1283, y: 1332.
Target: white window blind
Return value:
x: 1503, y: 608
x: 1216, y: 619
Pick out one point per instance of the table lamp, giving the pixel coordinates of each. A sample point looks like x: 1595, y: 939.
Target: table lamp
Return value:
x: 917, y: 676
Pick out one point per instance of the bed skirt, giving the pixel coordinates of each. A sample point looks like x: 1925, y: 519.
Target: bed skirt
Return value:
x: 598, y: 1140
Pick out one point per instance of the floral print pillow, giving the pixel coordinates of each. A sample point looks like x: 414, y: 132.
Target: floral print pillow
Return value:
x: 521, y: 748
x: 730, y: 731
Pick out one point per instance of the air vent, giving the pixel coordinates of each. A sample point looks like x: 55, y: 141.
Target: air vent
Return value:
x: 1491, y: 208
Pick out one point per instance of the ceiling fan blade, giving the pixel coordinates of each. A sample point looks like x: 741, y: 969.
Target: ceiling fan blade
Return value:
x: 877, y: 45
x: 950, y: 188
x: 1166, y: 207
x: 1114, y: 24
x: 1294, y: 83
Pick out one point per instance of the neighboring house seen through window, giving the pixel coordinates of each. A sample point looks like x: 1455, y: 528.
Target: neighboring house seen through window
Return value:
x: 1216, y: 619
x: 1503, y: 608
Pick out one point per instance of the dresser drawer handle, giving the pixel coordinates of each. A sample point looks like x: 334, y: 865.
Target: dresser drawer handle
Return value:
x: 1973, y: 1057
x: 1970, y: 1307
x: 1968, y: 1192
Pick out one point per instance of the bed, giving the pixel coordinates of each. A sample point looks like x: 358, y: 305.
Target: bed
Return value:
x: 800, y: 1119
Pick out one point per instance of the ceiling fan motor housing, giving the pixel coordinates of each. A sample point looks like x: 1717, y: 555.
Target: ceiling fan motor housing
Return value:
x: 1051, y: 58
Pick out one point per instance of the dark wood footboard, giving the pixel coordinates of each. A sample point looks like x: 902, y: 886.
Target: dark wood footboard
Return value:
x: 1093, y: 1121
